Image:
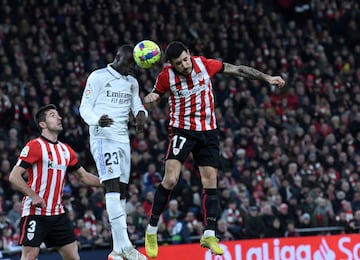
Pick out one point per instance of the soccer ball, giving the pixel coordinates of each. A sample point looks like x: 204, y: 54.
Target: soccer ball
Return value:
x: 146, y: 54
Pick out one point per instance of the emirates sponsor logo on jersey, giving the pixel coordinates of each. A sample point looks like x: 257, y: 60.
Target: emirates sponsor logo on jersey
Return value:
x: 25, y: 151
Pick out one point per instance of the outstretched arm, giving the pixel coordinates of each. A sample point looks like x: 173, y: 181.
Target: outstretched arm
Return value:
x: 86, y: 177
x: 151, y: 100
x: 252, y: 73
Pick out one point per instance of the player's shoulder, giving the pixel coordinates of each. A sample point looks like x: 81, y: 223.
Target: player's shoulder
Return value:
x: 33, y: 146
x: 34, y: 142
x: 66, y: 147
x: 99, y: 74
x: 205, y: 59
x: 165, y: 70
x: 199, y: 57
x: 100, y: 71
x: 132, y: 79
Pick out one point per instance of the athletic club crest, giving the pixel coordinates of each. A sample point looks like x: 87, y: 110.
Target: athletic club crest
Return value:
x: 176, y: 151
x: 30, y: 236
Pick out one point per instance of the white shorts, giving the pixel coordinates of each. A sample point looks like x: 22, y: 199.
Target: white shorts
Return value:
x: 112, y: 159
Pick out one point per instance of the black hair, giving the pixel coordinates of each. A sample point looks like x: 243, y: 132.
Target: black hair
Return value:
x: 125, y: 48
x: 41, y: 114
x: 174, y: 50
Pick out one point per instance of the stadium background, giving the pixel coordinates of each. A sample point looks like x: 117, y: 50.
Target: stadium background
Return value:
x: 293, y: 153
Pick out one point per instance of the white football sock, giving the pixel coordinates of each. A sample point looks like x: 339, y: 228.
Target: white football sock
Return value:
x: 117, y: 219
x: 209, y: 233
x: 151, y: 230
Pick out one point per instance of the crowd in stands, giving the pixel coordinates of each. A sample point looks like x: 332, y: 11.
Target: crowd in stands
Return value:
x: 290, y: 158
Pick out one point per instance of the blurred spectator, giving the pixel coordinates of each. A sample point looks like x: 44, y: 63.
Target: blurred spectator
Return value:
x: 342, y: 221
x: 90, y: 221
x: 103, y: 239
x: 179, y: 231
x: 172, y: 212
x: 275, y: 229
x: 290, y: 230
x: 79, y: 225
x: 14, y: 214
x: 233, y: 219
x: 305, y: 221
x: 354, y: 224
x: 4, y: 221
x: 131, y: 204
x: 254, y: 227
x: 308, y: 205
x: 187, y: 193
x: 284, y: 216
x: 191, y: 223
x: 97, y: 202
x: 163, y: 233
x: 139, y: 216
x: 322, y: 215
x: 5, y: 106
x: 86, y: 239
x: 267, y: 216
x: 151, y: 179
x: 10, y: 240
x: 147, y: 204
x: 223, y: 232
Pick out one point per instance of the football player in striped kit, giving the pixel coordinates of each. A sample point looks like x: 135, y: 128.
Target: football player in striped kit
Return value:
x: 46, y: 161
x: 193, y: 128
x: 109, y: 96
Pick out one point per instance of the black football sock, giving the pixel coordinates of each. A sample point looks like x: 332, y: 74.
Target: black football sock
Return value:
x: 210, y: 208
x: 161, y: 199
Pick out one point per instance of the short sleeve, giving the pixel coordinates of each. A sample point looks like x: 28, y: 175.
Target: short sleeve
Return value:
x: 73, y: 158
x: 162, y: 84
x: 212, y: 66
x: 31, y: 152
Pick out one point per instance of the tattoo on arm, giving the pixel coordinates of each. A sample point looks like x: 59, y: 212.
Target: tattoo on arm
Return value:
x: 251, y: 73
x: 244, y: 71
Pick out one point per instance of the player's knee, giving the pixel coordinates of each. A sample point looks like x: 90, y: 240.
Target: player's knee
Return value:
x: 112, y: 185
x: 209, y: 180
x: 74, y: 256
x: 29, y: 256
x: 170, y: 182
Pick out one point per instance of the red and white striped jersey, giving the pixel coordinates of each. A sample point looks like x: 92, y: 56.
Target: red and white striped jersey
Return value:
x: 48, y: 163
x: 191, y: 97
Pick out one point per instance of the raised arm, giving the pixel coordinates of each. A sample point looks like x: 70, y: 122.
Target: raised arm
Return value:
x: 252, y: 73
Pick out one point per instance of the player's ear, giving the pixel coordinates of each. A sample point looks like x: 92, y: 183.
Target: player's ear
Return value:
x: 42, y: 125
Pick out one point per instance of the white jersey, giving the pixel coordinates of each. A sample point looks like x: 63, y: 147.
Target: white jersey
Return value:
x: 107, y: 92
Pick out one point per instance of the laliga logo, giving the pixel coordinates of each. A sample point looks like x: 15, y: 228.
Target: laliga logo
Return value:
x: 324, y: 252
x: 225, y: 256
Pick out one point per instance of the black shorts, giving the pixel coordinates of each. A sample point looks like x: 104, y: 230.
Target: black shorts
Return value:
x: 54, y: 231
x: 204, y: 146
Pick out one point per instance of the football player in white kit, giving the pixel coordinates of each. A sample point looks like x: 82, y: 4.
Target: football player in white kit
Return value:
x: 109, y: 96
